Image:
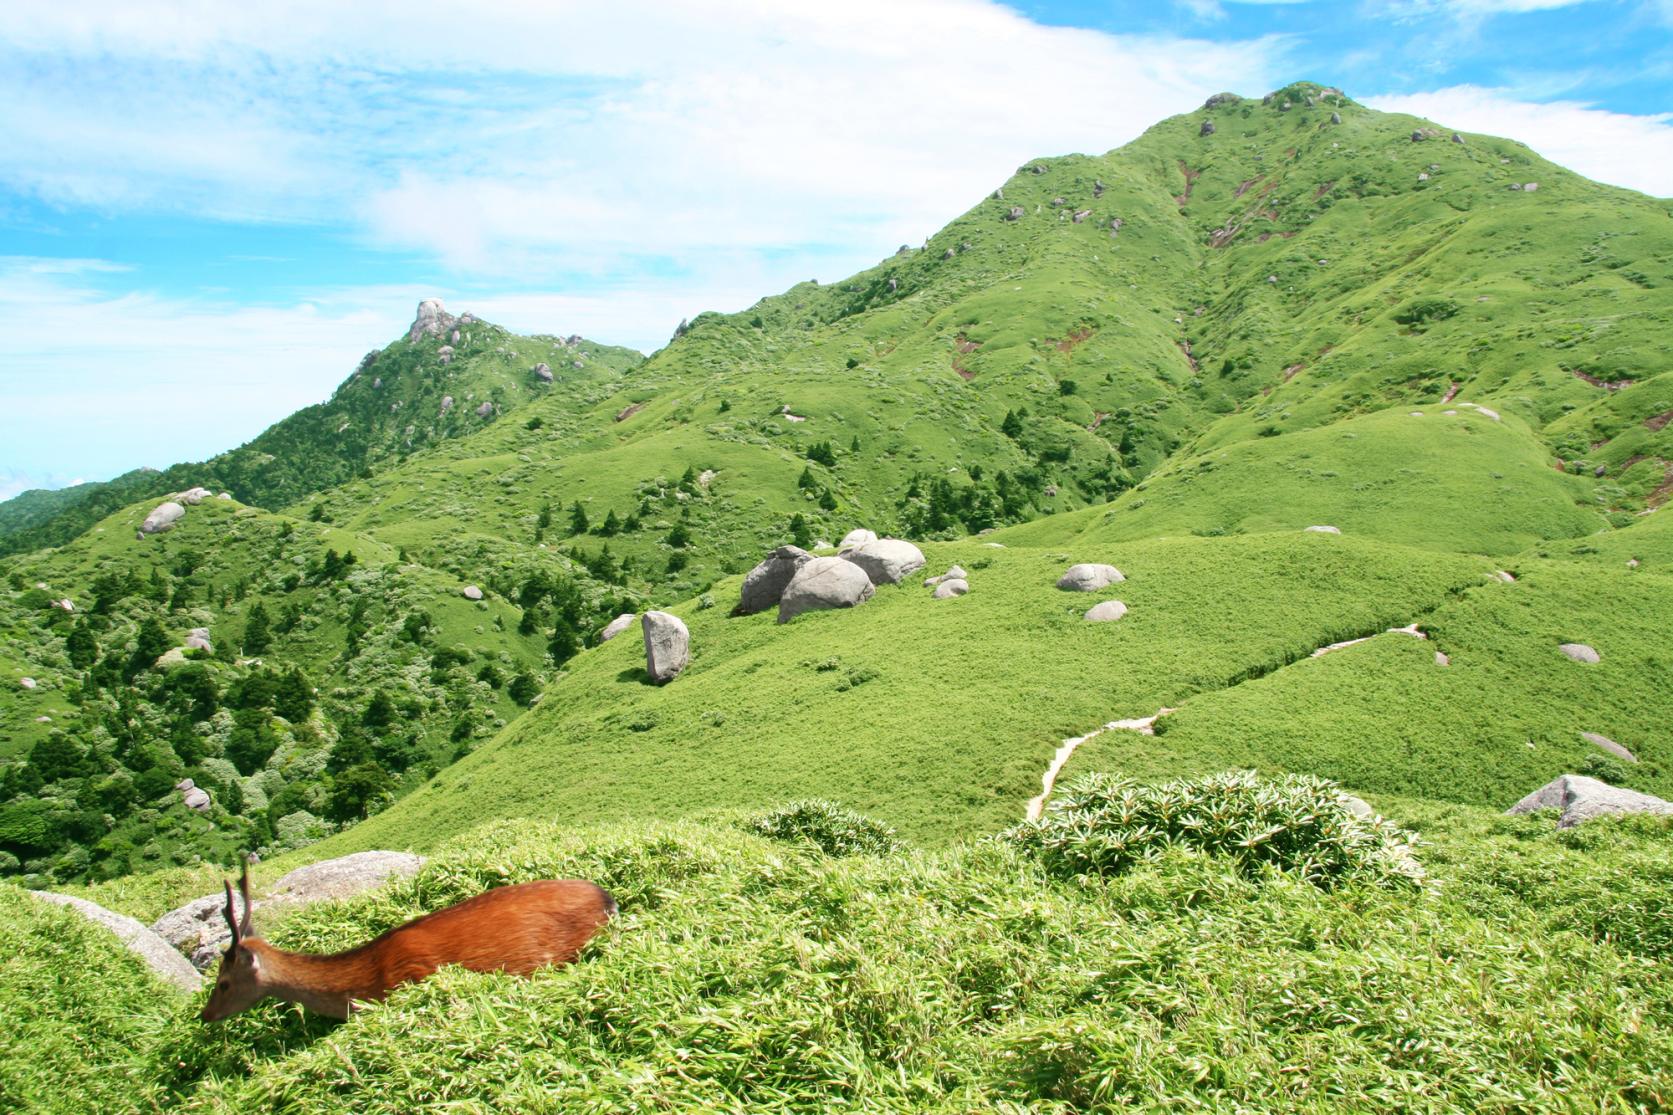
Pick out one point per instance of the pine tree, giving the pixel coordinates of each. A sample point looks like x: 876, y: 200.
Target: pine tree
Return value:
x: 577, y: 518
x: 257, y: 637
x: 293, y: 698
x: 81, y: 646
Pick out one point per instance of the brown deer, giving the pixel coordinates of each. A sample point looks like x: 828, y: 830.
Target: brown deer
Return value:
x: 511, y: 929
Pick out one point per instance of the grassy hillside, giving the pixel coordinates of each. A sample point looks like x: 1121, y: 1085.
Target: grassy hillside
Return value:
x: 425, y: 387
x: 749, y: 974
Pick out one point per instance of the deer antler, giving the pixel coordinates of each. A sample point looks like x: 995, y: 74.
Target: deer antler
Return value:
x: 232, y: 918
x: 244, y: 892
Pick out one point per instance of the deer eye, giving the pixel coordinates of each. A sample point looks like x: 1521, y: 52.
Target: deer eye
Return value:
x: 223, y: 985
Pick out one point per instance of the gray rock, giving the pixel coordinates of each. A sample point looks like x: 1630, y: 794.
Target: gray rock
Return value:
x: 471, y: 592
x: 196, y: 925
x: 193, y: 496
x: 887, y: 561
x: 1417, y: 137
x: 1014, y: 213
x: 1336, y: 118
x: 485, y: 410
x: 446, y: 403
x: 198, y: 639
x: 855, y: 538
x: 1609, y: 745
x: 667, y: 646
x: 445, y: 354
x: 1207, y: 128
x: 1456, y: 138
x: 1323, y: 530
x: 1106, y: 611
x: 27, y: 683
x: 1359, y: 807
x: 543, y: 372
x: 617, y: 626
x: 1583, y: 799
x: 1530, y: 187
x: 168, y: 964
x: 953, y: 573
x: 1089, y: 577
x: 764, y: 585
x: 196, y: 798
x: 948, y: 254
x: 823, y: 583
x: 1081, y: 215
x: 64, y: 605
x: 344, y: 876
x: 952, y: 586
x: 1580, y: 652
x: 431, y: 319
x: 163, y: 518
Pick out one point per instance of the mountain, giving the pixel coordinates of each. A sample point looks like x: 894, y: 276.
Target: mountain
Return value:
x: 1371, y: 416
x: 446, y: 378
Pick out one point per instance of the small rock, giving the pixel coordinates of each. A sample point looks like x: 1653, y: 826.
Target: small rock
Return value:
x: 43, y: 720
x: 446, y: 403
x: 956, y: 586
x: 1507, y: 578
x: 764, y: 585
x: 823, y: 583
x: 1456, y: 138
x: 445, y: 354
x: 667, y: 646
x: 196, y: 798
x: 471, y: 592
x: 543, y: 372
x: 1323, y: 530
x: 1272, y: 278
x: 1014, y: 213
x: 953, y: 573
x: 1583, y: 799
x: 485, y: 410
x: 142, y: 942
x: 184, y: 784
x: 1441, y: 659
x: 1580, y: 652
x: 27, y: 683
x: 1081, y: 215
x: 1417, y: 137
x: 1529, y: 187
x: 1089, y: 577
x: 1488, y: 413
x: 1609, y: 745
x: 193, y: 496
x: 1106, y: 611
x: 1336, y: 118
x: 886, y: 561
x: 1632, y: 563
x: 163, y: 518
x: 616, y: 626
x: 64, y: 605
x: 1207, y: 128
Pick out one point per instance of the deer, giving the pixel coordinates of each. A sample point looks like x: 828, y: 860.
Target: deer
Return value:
x: 517, y: 929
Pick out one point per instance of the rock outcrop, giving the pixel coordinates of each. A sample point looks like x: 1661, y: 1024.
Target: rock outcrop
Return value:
x: 1089, y: 577
x: 168, y: 964
x: 887, y: 561
x: 765, y: 584
x: 667, y: 646
x: 164, y: 517
x: 1582, y: 799
x: 822, y: 583
x: 432, y: 318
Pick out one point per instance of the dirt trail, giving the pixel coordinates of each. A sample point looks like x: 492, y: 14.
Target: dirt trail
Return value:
x: 1144, y: 726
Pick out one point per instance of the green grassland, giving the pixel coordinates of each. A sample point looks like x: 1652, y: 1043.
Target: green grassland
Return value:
x: 747, y: 974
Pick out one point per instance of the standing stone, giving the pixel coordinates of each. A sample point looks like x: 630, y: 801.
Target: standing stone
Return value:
x: 1089, y: 577
x: 616, y: 627
x: 822, y: 583
x: 667, y: 646
x: 765, y: 584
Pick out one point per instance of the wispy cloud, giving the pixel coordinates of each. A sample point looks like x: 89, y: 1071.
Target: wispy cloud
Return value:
x: 1619, y: 148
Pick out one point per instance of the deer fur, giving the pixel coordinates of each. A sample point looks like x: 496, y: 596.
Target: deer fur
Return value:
x: 515, y: 929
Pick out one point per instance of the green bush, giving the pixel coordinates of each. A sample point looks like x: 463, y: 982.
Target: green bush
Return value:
x: 826, y: 825
x: 1104, y: 825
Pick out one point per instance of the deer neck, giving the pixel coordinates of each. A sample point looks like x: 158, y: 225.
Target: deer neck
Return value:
x: 326, y: 984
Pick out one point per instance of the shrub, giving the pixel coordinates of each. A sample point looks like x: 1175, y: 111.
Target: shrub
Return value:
x: 827, y: 826
x: 1104, y: 825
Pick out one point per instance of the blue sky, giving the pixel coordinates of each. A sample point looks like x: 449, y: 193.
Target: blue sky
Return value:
x: 209, y: 212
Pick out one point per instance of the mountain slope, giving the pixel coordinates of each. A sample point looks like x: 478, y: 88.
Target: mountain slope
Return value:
x: 448, y: 377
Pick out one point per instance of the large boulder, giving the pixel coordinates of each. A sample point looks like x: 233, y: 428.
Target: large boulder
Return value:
x: 163, y: 518
x: 198, y: 639
x: 887, y: 561
x: 196, y: 799
x: 822, y: 583
x: 1089, y: 577
x: 168, y: 964
x: 1581, y: 799
x: 856, y: 538
x: 765, y: 584
x: 199, y: 930
x: 616, y: 626
x: 667, y: 646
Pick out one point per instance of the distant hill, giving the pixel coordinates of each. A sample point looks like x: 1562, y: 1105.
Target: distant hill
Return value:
x: 447, y: 377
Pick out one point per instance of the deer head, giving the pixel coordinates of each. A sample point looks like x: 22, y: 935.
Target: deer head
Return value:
x: 238, y: 984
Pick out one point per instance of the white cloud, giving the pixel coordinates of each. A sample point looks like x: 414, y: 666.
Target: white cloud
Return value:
x: 1614, y: 147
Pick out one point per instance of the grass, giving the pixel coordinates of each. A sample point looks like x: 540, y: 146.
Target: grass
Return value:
x: 747, y: 974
